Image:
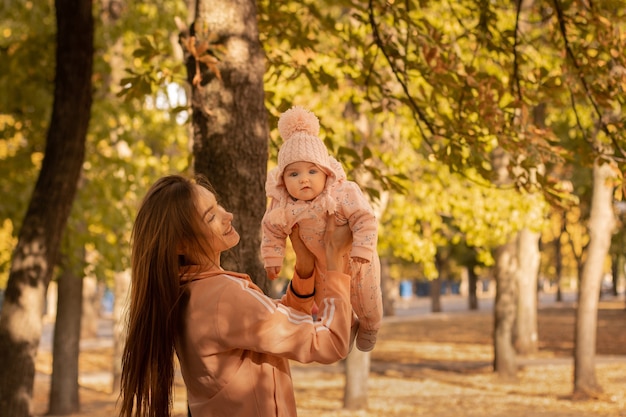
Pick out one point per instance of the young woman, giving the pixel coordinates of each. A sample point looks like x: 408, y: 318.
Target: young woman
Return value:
x: 233, y: 342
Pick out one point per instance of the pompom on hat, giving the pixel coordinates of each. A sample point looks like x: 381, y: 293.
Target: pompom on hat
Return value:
x: 300, y: 130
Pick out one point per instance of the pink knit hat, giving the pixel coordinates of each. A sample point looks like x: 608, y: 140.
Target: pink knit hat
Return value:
x: 300, y: 129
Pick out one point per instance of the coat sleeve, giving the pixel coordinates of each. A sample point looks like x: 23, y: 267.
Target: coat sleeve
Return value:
x: 250, y: 320
x: 273, y: 239
x: 361, y: 219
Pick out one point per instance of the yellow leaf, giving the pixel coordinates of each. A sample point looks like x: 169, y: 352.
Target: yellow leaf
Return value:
x: 604, y: 21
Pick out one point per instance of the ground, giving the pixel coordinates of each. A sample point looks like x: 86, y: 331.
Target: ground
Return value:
x: 436, y: 365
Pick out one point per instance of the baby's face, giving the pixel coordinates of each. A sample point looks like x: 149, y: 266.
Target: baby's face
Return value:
x: 304, y: 180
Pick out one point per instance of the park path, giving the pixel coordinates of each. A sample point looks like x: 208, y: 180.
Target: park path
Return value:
x: 423, y: 362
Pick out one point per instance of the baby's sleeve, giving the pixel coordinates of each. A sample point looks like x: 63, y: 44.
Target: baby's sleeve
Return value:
x: 361, y: 219
x: 273, y: 242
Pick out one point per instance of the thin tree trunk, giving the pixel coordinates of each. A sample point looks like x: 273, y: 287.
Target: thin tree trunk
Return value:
x: 64, y: 393
x: 526, y: 336
x: 505, y: 306
x: 601, y: 223
x: 388, y: 287
x: 435, y: 295
x: 472, y: 286
x: 111, y: 12
x: 121, y: 294
x: 617, y: 265
x: 528, y: 257
x: 558, y: 258
x: 358, y: 363
x: 435, y: 285
x: 37, y: 249
x: 505, y: 363
x: 91, y: 307
x: 357, y: 372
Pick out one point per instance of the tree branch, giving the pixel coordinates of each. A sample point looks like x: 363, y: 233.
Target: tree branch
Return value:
x: 587, y: 89
x: 421, y: 117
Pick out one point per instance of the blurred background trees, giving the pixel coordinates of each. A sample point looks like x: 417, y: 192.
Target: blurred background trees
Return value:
x: 415, y: 98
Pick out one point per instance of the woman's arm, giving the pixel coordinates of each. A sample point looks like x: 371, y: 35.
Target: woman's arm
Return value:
x: 302, y: 283
x: 275, y: 328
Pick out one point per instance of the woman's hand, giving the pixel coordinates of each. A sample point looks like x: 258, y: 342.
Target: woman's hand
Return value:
x: 305, y: 261
x: 338, y: 240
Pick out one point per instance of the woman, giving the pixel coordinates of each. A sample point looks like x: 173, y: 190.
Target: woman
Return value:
x: 233, y: 343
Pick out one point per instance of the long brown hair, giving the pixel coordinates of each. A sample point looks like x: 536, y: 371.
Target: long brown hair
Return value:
x: 166, y: 222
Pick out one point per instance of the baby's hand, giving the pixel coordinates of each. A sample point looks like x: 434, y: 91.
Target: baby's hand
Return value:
x: 359, y: 260
x: 272, y: 272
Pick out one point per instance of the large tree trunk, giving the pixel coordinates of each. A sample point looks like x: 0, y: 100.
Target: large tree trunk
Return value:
x: 64, y: 397
x: 230, y: 128
x: 37, y: 249
x: 601, y: 222
x: 526, y: 336
x: 357, y: 373
x: 505, y: 363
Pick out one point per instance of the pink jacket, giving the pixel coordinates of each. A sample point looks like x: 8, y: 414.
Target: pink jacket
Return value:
x: 341, y: 198
x: 236, y: 342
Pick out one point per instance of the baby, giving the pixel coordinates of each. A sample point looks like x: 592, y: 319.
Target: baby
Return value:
x: 305, y: 188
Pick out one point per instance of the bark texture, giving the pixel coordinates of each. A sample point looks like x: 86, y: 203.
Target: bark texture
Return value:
x: 230, y: 128
x: 505, y: 307
x: 526, y: 337
x: 64, y: 398
x: 601, y: 222
x: 505, y: 362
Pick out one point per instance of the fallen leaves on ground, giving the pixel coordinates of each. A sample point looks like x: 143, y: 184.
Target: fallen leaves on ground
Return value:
x: 437, y: 366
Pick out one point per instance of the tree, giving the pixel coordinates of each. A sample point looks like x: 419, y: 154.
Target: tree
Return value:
x: 601, y: 223
x: 357, y: 372
x: 457, y: 81
x: 64, y: 390
x: 229, y: 118
x: 505, y: 306
x: 130, y: 142
x: 504, y: 362
x: 39, y: 239
x: 525, y: 336
x: 471, y: 84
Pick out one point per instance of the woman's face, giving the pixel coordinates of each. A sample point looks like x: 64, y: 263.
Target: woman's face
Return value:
x: 219, y: 230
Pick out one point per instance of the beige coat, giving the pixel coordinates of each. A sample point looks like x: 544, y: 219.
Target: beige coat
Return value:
x: 236, y: 343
